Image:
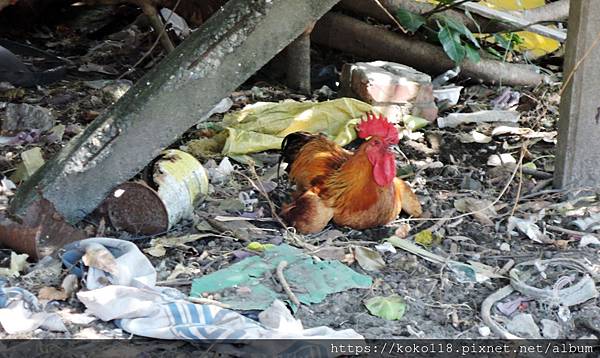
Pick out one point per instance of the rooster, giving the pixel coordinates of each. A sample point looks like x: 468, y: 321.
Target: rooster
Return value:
x: 355, y: 189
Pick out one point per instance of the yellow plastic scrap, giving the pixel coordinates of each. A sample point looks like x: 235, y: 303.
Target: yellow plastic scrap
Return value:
x: 533, y: 45
x: 263, y: 125
x: 513, y: 4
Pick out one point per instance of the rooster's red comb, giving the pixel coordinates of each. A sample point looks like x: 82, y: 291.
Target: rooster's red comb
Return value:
x: 380, y: 127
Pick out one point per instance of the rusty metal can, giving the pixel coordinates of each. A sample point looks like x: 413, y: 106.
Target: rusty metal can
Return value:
x: 180, y: 181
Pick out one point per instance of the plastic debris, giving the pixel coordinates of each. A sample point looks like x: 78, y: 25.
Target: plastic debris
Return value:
x: 262, y: 126
x: 414, y: 123
x: 508, y: 99
x: 32, y: 160
x: 511, y: 306
x: 386, y: 247
x: 529, y: 228
x: 220, y: 174
x: 466, y: 273
x: 443, y: 78
x: 587, y: 240
x: 18, y: 263
x: 533, y: 45
x: 576, y: 292
x: 523, y: 325
x: 505, y: 247
x: 474, y: 137
x: 551, y: 329
x: 312, y: 281
x: 175, y: 23
x: 448, y: 93
x: 127, y: 293
x: 21, y: 312
x: 455, y: 119
x: 14, y: 71
x: 591, y: 223
x: 496, y: 160
x: 484, y: 331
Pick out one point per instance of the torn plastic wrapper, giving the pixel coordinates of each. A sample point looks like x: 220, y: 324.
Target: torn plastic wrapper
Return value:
x: 180, y: 181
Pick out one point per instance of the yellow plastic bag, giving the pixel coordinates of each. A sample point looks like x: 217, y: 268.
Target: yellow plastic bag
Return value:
x: 263, y: 125
x: 533, y: 45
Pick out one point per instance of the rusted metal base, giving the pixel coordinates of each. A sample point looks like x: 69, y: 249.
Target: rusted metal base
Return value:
x: 42, y: 231
x: 137, y: 208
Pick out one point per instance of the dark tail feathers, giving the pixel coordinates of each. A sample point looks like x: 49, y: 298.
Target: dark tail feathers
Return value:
x: 291, y: 145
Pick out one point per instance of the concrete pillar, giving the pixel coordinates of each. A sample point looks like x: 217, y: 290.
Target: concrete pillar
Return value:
x: 578, y: 152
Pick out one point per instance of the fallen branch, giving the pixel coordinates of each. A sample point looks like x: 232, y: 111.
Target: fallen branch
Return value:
x: 516, y: 21
x: 286, y: 287
x: 557, y: 11
x: 354, y: 36
x: 554, y: 11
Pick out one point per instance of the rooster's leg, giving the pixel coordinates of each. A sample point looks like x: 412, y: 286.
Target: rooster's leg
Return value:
x: 307, y: 213
x: 410, y: 202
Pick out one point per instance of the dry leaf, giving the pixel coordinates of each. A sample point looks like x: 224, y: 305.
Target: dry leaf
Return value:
x: 368, y: 259
x: 402, y: 231
x: 52, y: 294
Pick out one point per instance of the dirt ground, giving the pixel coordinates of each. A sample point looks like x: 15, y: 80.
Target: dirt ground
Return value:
x: 440, y: 164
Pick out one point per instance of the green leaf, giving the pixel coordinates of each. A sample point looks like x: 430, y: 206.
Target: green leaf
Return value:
x: 472, y: 53
x: 462, y: 29
x: 391, y: 307
x: 470, y: 16
x: 494, y: 52
x: 451, y: 43
x: 411, y: 21
x: 503, y: 41
x: 530, y: 165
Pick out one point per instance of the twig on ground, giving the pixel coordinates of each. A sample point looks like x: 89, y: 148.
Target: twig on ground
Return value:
x: 207, y: 301
x: 568, y: 231
x: 520, y: 187
x: 286, y: 287
x: 539, y: 174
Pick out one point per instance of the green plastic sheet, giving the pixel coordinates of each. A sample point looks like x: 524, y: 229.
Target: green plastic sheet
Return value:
x: 249, y: 284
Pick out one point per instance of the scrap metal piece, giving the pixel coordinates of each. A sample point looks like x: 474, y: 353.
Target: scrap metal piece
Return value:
x: 41, y: 232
